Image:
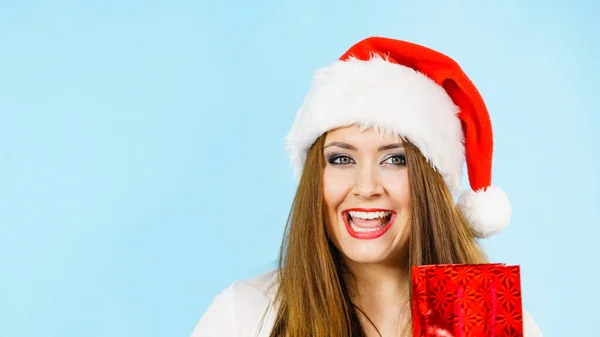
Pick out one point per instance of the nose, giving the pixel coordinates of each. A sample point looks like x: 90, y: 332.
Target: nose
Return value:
x: 367, y: 182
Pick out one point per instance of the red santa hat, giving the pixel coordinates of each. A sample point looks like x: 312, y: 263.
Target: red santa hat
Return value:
x: 421, y: 95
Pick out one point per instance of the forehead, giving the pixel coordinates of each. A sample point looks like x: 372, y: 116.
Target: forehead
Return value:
x: 358, y: 135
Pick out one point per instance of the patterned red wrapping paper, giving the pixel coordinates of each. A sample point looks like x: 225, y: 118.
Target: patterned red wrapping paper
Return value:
x: 478, y: 300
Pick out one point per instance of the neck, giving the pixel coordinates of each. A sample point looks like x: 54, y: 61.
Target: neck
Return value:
x: 379, y: 283
x: 382, y: 293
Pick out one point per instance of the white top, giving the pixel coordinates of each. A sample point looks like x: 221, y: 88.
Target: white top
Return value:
x: 238, y: 310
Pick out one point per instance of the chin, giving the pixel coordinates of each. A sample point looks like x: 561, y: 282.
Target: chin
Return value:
x: 363, y: 252
x: 366, y: 258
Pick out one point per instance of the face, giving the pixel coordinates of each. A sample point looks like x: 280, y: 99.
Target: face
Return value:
x: 366, y: 190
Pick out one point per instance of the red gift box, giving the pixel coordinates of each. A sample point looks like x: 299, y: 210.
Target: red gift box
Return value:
x: 467, y: 300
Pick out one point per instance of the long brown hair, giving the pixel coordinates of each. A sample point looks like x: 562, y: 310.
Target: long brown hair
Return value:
x: 312, y: 296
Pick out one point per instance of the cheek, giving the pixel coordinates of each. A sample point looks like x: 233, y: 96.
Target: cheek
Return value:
x: 335, y: 189
x: 398, y: 186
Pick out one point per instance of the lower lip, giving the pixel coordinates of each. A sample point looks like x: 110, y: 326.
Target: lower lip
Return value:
x: 368, y: 235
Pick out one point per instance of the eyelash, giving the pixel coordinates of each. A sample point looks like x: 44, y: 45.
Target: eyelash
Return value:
x: 335, y: 157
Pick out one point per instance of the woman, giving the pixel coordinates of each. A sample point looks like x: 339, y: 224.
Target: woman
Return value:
x: 378, y: 147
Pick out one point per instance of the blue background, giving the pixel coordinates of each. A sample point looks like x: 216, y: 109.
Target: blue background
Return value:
x: 142, y: 166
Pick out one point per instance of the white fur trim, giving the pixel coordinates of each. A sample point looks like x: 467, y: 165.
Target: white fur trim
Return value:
x: 488, y: 212
x: 386, y: 95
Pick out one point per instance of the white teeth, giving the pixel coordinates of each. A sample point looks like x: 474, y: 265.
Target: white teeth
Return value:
x: 368, y: 215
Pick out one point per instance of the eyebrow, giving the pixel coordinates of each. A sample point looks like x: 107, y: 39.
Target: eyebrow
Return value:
x: 352, y: 148
x: 390, y: 147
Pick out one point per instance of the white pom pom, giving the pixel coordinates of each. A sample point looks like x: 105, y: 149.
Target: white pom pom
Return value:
x: 488, y: 212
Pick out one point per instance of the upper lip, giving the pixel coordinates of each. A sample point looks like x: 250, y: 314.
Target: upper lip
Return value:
x: 367, y: 210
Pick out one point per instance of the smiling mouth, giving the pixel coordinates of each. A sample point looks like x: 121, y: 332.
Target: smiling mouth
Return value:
x: 368, y: 224
x: 368, y: 221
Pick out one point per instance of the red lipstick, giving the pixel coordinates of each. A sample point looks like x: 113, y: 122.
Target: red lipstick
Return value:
x: 370, y: 234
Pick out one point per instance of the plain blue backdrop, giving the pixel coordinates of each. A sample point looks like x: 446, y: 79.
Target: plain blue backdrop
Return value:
x: 142, y: 162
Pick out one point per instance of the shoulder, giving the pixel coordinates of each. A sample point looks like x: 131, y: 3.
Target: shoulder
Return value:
x: 530, y: 328
x: 263, y: 285
x: 239, y: 309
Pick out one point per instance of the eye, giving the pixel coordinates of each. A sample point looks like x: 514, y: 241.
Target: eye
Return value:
x: 397, y: 159
x: 340, y: 160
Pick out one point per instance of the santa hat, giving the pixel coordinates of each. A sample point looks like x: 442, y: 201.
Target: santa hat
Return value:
x: 421, y: 95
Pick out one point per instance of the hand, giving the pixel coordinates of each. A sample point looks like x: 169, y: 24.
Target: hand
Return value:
x: 435, y: 331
